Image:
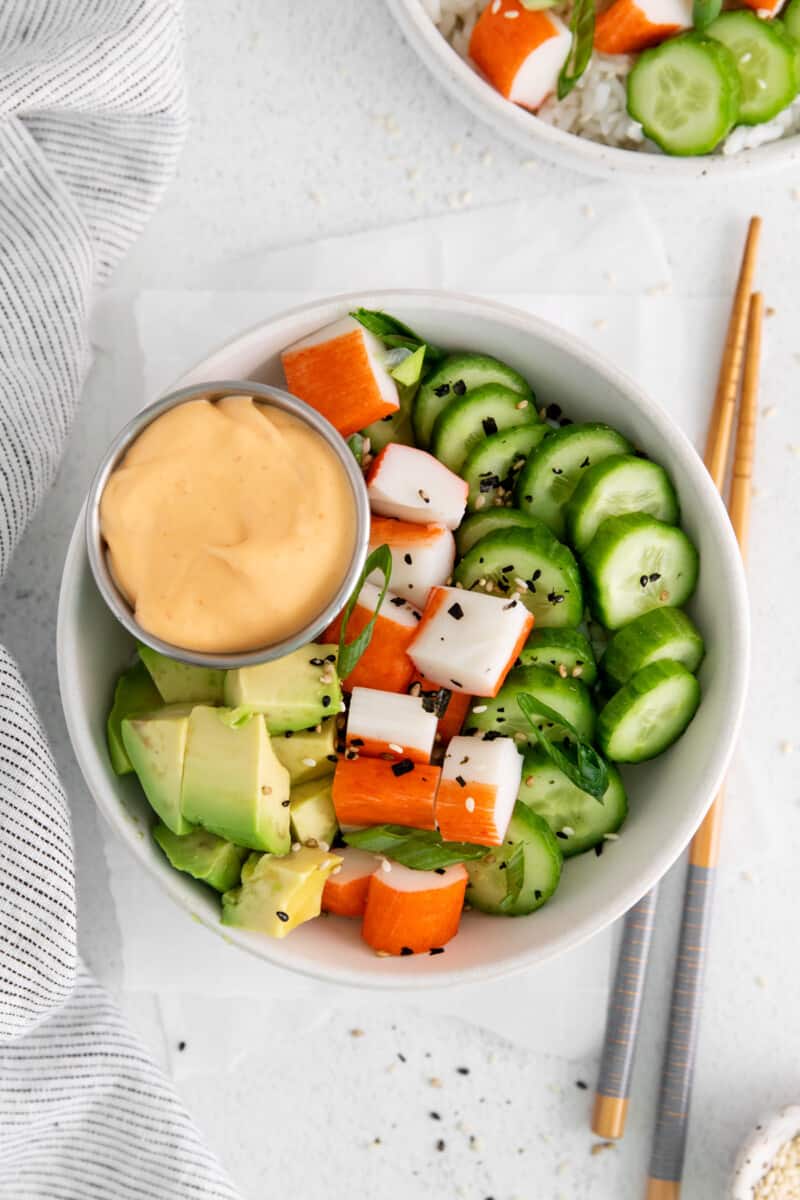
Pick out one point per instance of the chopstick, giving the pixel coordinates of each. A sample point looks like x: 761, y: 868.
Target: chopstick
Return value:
x: 669, y: 1139
x: 625, y: 998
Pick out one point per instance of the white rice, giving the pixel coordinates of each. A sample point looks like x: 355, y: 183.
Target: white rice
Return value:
x: 596, y: 107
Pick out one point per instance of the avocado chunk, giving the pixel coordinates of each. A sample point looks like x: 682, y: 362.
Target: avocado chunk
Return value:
x: 181, y: 683
x: 134, y: 693
x: 233, y: 784
x: 308, y: 755
x: 203, y: 855
x: 155, y: 742
x: 295, y: 692
x: 313, y: 817
x: 277, y: 894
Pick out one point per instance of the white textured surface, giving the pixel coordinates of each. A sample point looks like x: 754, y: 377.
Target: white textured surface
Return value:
x: 312, y: 119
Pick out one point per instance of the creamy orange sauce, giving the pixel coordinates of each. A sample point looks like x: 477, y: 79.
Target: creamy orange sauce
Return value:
x: 229, y: 525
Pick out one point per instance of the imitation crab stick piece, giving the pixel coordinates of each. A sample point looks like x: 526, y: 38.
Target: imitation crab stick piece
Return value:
x: 385, y: 663
x: 422, y: 555
x: 452, y: 719
x: 632, y: 25
x: 479, y: 786
x: 773, y: 7
x: 391, y: 726
x: 369, y: 791
x: 345, y: 891
x: 520, y: 51
x: 414, y: 486
x: 468, y: 641
x: 339, y: 370
x: 412, y: 912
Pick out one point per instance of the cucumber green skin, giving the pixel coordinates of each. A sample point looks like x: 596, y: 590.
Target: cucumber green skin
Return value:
x: 496, y: 456
x: 554, y: 648
x: 569, y: 697
x: 474, y: 370
x: 759, y: 105
x: 478, y: 524
x: 537, y: 491
x: 555, y: 798
x: 659, y: 633
x: 459, y: 428
x: 598, y: 563
x: 595, y: 486
x: 543, y: 861
x: 620, y: 711
x: 537, y: 549
x: 791, y: 19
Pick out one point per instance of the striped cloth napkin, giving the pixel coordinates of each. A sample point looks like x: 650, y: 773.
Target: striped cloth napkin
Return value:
x: 92, y: 118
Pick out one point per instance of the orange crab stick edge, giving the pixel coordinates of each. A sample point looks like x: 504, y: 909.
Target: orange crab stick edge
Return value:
x: 480, y: 782
x: 339, y: 371
x: 412, y: 912
x: 519, y: 51
x: 385, y: 663
x: 629, y: 26
x: 345, y: 891
x: 370, y: 791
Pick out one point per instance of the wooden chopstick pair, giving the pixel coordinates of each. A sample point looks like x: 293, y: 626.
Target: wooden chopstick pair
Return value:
x: 740, y: 363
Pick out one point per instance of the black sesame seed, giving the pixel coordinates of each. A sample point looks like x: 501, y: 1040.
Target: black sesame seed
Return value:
x: 579, y: 1083
x: 561, y: 835
x: 437, y: 949
x: 529, y: 498
x: 511, y: 604
x: 356, y: 741
x: 537, y: 574
x: 181, y: 1045
x: 330, y: 658
x: 459, y: 387
x: 598, y: 849
x: 402, y: 1057
x: 438, y: 870
x: 507, y: 570
x: 558, y: 470
x: 456, y: 611
x: 397, y: 601
x: 565, y: 421
x: 492, y: 735
x: 654, y: 578
x: 553, y: 411
x: 456, y: 684
x: 440, y: 1144
x: 405, y: 951
x: 407, y: 559
x: 643, y: 580
x: 442, y: 390
x: 285, y: 803
x: 463, y: 1070
x: 326, y: 701
x: 503, y: 866
x: 332, y: 757
x: 289, y: 733
x: 537, y: 895
x: 403, y: 767
x: 585, y: 462
x: 434, y: 1116
x: 281, y: 915
x: 461, y: 781
x: 488, y: 482
x: 489, y: 426
x: 317, y: 662
x: 530, y: 586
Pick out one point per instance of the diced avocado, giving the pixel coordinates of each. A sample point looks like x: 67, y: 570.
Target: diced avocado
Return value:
x: 277, y: 894
x: 134, y: 693
x: 233, y: 784
x: 181, y: 683
x: 295, y: 692
x: 308, y: 755
x: 155, y: 743
x: 312, y: 814
x: 204, y: 856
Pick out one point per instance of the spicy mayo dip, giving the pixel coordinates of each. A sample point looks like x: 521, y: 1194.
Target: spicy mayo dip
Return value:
x: 229, y: 525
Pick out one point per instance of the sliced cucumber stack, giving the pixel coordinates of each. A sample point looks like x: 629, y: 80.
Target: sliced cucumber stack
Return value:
x: 791, y: 20
x: 529, y: 562
x: 685, y: 93
x: 492, y: 467
x: 477, y: 525
x: 512, y: 882
x: 649, y: 713
x: 621, y: 484
x: 453, y: 379
x: 635, y: 563
x: 578, y: 820
x: 568, y: 652
x: 467, y: 421
x: 501, y: 715
x: 555, y: 468
x: 658, y: 634
x: 766, y: 59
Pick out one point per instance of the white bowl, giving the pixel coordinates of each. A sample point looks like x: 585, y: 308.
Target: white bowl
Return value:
x: 756, y: 1156
x: 668, y: 797
x: 567, y: 149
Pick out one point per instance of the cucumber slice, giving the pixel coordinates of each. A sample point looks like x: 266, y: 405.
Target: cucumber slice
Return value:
x: 491, y: 468
x: 791, y: 19
x: 555, y: 468
x: 529, y: 562
x: 477, y: 525
x: 649, y: 713
x: 467, y: 422
x: 620, y: 484
x: 488, y: 886
x: 501, y: 715
x: 397, y: 426
x: 452, y: 379
x: 566, y: 651
x: 578, y: 820
x: 660, y: 633
x: 635, y: 563
x: 685, y: 94
x: 766, y: 60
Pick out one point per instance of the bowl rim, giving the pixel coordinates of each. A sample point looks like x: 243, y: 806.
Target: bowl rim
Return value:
x: 214, y: 390
x: 569, y: 149
x: 715, y: 764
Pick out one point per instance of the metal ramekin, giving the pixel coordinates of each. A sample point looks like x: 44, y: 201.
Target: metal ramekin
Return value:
x: 215, y: 391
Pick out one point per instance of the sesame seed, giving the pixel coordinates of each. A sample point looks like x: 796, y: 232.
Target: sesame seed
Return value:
x: 356, y: 1033
x: 663, y: 596
x: 529, y: 781
x: 522, y: 404
x: 281, y: 915
x: 324, y: 846
x: 309, y: 762
x: 577, y: 672
x: 480, y: 501
x: 611, y: 837
x: 312, y: 843
x: 786, y: 747
x: 336, y: 870
x: 469, y: 804
x: 496, y: 6
x: 435, y: 1081
x: 569, y: 831
x: 480, y: 708
x: 386, y: 865
x: 562, y: 670
x: 383, y: 954
x: 511, y: 15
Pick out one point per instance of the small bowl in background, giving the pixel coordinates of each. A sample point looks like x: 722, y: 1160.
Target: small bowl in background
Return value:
x: 757, y: 1154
